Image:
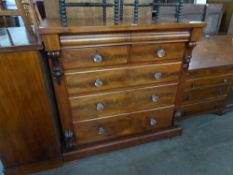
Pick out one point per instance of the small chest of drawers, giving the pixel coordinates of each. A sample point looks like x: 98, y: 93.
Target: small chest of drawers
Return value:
x: 119, y: 87
x: 209, y: 80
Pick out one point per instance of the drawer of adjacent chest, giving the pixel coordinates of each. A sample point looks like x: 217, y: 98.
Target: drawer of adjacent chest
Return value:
x: 157, y: 52
x: 104, y: 79
x: 208, y: 81
x: 107, y: 128
x: 204, y: 106
x: 205, y: 93
x: 99, y: 105
x: 92, y: 57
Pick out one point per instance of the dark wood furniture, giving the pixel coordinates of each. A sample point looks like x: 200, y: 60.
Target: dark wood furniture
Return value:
x: 209, y: 79
x: 28, y: 138
x: 117, y: 85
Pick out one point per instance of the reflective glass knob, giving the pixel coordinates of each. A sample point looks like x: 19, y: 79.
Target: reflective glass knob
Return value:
x: 157, y: 75
x: 161, y: 53
x: 154, y: 98
x: 153, y: 122
x: 97, y: 59
x: 99, y: 106
x: 98, y: 83
x: 101, y: 131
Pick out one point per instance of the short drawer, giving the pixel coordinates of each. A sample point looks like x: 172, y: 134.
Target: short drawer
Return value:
x: 207, y: 81
x: 104, y: 79
x: 122, y: 125
x: 203, y: 107
x: 105, y: 104
x: 92, y: 57
x: 205, y: 93
x: 157, y: 52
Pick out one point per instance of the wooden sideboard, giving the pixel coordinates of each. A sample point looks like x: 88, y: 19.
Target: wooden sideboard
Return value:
x: 209, y: 79
x: 117, y: 85
x: 28, y: 137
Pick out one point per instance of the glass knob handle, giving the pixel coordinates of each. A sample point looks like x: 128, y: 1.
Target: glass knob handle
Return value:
x: 99, y: 106
x: 101, y: 131
x: 161, y: 53
x: 98, y: 83
x: 97, y: 59
x: 154, y: 98
x: 153, y: 121
x: 157, y: 75
x: 225, y: 80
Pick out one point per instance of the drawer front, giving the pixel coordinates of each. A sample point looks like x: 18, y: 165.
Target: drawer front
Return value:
x: 107, y: 128
x: 157, y: 52
x: 92, y: 57
x: 201, y: 107
x: 104, y: 79
x: 99, y: 105
x: 205, y: 93
x: 208, y: 81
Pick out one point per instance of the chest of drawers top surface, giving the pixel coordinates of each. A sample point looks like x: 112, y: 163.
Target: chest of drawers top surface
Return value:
x: 212, y: 52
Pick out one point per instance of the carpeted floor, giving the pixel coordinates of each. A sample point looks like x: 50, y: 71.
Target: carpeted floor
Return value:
x: 205, y: 148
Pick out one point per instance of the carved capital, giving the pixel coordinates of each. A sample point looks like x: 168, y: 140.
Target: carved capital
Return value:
x: 192, y: 44
x: 69, y: 139
x: 188, y: 54
x: 53, y: 54
x: 56, y: 69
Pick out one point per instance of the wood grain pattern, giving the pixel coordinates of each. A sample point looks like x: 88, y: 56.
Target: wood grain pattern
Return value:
x: 79, y: 82
x: 203, y: 107
x: 200, y: 94
x: 28, y: 134
x: 127, y: 85
x: 209, y: 77
x: 51, y: 42
x: 207, y: 81
x: 212, y: 52
x: 97, y: 26
x: 84, y: 107
x: 121, y: 142
x: 83, y: 57
x: 133, y: 123
x: 148, y: 52
x: 68, y: 40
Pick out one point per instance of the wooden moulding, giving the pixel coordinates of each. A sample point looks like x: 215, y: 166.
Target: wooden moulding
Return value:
x: 120, y: 143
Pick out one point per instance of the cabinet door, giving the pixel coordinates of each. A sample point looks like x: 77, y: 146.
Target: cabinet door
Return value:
x: 27, y: 128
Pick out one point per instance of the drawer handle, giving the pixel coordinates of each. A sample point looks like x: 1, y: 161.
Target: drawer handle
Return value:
x: 98, y: 83
x: 99, y: 106
x: 157, y: 75
x: 154, y: 98
x: 101, y: 131
x: 97, y: 59
x: 225, y: 80
x: 161, y: 53
x: 153, y: 121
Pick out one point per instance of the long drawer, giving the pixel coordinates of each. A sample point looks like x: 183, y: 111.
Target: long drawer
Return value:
x: 205, y: 93
x: 204, y: 106
x: 104, y: 79
x: 208, y: 81
x: 104, y: 104
x: 93, y: 57
x: 156, y: 52
x: 107, y: 128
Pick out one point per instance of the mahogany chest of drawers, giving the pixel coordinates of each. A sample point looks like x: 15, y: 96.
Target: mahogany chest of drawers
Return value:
x: 209, y: 79
x: 117, y: 86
